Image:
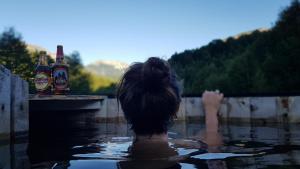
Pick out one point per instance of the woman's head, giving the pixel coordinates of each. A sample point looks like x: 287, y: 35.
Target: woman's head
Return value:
x: 149, y: 96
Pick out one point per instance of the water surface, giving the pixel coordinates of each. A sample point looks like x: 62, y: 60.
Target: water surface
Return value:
x: 105, y: 145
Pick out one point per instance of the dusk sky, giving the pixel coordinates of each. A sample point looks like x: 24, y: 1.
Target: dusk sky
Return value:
x: 133, y: 30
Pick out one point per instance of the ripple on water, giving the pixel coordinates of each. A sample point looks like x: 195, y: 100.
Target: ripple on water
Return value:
x: 114, y: 149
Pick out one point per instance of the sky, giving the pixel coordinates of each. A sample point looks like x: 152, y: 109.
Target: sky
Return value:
x: 133, y: 30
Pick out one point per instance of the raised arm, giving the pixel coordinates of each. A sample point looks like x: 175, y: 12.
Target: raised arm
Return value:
x: 211, y: 103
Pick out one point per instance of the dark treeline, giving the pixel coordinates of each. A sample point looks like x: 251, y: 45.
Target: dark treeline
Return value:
x: 262, y: 61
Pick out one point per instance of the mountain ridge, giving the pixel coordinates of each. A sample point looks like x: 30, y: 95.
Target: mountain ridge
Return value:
x: 114, y: 69
x: 110, y: 68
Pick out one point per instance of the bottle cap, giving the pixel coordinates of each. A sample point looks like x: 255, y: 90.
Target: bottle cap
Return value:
x: 59, y: 52
x: 43, y: 52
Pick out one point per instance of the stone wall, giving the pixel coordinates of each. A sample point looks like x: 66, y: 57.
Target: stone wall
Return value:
x: 13, y: 105
x: 233, y: 109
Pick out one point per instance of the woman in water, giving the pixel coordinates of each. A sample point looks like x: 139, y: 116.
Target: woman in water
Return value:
x: 150, y: 96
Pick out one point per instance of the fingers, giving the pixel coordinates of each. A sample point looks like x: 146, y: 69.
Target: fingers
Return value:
x: 222, y: 95
x: 216, y: 94
x: 213, y: 92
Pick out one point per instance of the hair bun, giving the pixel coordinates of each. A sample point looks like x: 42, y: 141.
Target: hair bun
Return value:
x: 156, y: 73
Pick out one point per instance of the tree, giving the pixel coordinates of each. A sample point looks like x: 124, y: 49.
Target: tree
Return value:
x: 79, y: 79
x: 14, y: 55
x: 261, y: 61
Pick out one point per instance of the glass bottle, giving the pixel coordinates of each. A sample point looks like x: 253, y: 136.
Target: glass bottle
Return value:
x: 60, y: 73
x: 42, y: 80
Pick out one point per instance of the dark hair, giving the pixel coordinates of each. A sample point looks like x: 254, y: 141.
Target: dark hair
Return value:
x: 149, y: 96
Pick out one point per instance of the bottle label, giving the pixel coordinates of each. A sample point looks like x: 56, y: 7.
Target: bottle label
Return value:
x: 42, y: 81
x: 60, y: 77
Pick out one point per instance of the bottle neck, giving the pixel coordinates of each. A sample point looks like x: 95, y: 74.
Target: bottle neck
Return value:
x: 59, y: 55
x: 60, y: 59
x: 43, y: 60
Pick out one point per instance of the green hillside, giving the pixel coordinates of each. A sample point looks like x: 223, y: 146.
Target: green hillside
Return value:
x: 110, y: 69
x: 263, y: 61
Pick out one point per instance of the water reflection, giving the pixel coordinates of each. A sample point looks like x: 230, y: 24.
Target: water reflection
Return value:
x: 105, y: 145
x: 14, y: 155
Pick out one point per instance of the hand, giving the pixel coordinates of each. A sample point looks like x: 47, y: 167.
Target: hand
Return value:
x: 212, y: 102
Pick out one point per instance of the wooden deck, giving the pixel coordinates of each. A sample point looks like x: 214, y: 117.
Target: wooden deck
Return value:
x: 64, y: 102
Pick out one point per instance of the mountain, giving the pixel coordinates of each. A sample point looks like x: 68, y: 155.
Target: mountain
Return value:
x: 104, y: 68
x: 112, y: 69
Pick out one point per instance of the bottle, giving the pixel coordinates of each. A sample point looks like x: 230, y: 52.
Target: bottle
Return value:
x: 42, y: 80
x: 60, y: 73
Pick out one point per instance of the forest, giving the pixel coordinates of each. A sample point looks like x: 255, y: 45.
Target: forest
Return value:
x: 263, y: 61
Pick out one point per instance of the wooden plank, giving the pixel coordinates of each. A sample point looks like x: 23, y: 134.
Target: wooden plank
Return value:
x: 5, y: 101
x: 19, y: 107
x: 65, y: 97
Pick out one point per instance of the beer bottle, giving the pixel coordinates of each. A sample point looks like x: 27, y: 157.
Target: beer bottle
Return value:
x: 60, y: 73
x: 42, y: 80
